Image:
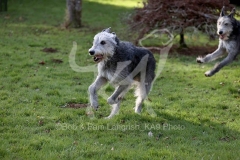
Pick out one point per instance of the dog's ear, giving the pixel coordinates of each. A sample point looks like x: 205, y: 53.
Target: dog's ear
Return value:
x: 231, y: 15
x: 107, y: 30
x: 117, y: 40
x: 222, y: 12
x: 115, y: 37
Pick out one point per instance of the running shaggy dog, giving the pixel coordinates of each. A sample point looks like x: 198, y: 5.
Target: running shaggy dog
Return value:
x: 121, y: 64
x: 228, y: 29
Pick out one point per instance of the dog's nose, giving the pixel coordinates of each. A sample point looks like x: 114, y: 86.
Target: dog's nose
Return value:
x: 91, y: 52
x: 220, y: 32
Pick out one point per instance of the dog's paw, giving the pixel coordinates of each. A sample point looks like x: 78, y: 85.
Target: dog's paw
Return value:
x: 95, y: 105
x: 137, y: 110
x: 200, y: 59
x: 208, y: 74
x: 111, y: 101
x: 109, y: 117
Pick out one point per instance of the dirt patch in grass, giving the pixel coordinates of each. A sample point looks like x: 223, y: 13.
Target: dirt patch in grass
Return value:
x: 76, y: 105
x: 227, y: 138
x: 190, y: 51
x: 49, y: 50
x: 42, y: 63
x: 194, y: 50
x: 57, y: 60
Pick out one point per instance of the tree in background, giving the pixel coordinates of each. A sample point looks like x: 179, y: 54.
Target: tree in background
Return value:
x: 177, y: 15
x: 73, y: 13
x: 3, y: 5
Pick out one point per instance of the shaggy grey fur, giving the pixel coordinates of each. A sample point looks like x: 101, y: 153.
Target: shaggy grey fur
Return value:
x: 228, y: 29
x: 121, y: 64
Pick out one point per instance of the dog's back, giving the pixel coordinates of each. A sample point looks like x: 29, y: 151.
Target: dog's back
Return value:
x: 127, y: 52
x: 235, y: 34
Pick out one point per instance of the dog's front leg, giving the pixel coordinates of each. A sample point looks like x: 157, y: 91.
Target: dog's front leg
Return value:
x: 115, y: 97
x: 93, y: 88
x: 212, y: 56
x: 227, y: 60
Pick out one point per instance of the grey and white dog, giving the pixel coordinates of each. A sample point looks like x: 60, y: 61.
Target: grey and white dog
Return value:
x: 228, y: 29
x: 121, y: 64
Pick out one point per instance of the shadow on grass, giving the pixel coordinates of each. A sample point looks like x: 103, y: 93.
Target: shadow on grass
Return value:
x: 170, y: 137
x: 188, y: 127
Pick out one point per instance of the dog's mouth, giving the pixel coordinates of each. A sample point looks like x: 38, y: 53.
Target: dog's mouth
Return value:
x: 223, y: 36
x: 98, y: 58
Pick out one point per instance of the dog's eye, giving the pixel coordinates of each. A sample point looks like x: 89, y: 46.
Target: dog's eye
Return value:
x: 102, y: 42
x: 226, y: 24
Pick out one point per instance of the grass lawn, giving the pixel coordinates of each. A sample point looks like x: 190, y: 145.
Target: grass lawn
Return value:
x: 193, y: 117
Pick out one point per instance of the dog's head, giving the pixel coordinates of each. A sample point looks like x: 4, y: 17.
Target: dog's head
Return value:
x: 225, y: 24
x: 104, y: 45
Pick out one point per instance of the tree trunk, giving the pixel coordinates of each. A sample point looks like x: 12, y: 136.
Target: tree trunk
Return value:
x: 3, y: 5
x: 73, y: 13
x: 182, y: 40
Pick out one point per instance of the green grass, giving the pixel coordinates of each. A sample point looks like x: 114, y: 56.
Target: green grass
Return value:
x: 195, y: 117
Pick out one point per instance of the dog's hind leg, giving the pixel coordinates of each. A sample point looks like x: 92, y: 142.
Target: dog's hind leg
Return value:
x: 118, y: 94
x: 224, y: 62
x: 115, y: 99
x: 114, y: 111
x: 141, y: 93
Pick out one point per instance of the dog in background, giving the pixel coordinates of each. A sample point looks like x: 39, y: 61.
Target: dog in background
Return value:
x: 228, y: 29
x: 121, y: 64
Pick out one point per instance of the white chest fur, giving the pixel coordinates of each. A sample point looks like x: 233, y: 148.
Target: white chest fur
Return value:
x: 103, y: 72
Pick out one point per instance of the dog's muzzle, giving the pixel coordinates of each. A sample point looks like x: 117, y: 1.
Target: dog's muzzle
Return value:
x: 96, y: 57
x: 220, y: 32
x: 222, y: 36
x: 91, y: 52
